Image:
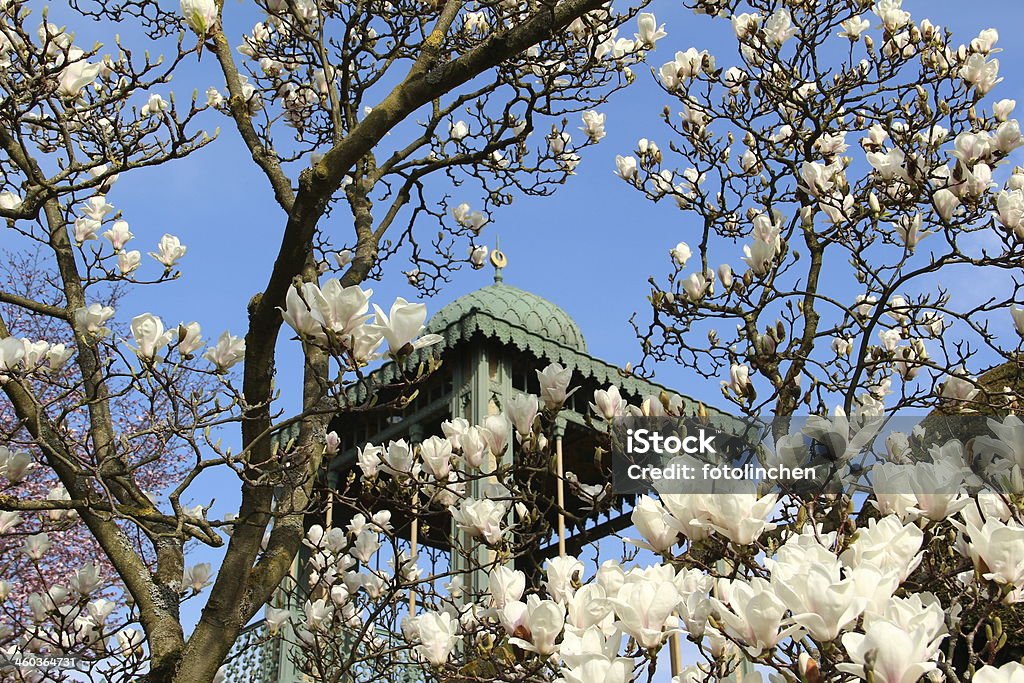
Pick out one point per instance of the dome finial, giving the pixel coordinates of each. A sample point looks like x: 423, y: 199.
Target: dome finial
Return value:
x: 499, y: 261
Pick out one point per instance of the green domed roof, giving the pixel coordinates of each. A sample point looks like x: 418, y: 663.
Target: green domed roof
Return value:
x: 517, y: 307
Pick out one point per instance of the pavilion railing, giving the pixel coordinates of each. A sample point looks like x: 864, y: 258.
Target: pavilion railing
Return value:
x: 255, y: 656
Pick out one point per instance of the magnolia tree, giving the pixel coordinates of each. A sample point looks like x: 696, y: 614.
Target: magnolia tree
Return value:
x: 77, y: 548
x: 366, y: 113
x: 842, y: 319
x: 915, y: 579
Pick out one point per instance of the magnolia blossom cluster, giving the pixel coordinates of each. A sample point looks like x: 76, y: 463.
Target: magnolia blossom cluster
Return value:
x: 301, y: 90
x: 151, y: 338
x: 343, y: 569
x: 792, y: 586
x: 96, y: 211
x: 80, y: 614
x: 86, y: 618
x: 816, y: 585
x: 337, y: 317
x: 796, y: 175
x: 828, y: 587
x: 25, y: 356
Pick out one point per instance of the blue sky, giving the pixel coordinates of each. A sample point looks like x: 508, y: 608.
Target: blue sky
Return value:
x: 590, y: 248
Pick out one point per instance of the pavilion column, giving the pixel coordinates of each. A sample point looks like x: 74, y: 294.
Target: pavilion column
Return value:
x: 415, y: 438
x: 560, y: 484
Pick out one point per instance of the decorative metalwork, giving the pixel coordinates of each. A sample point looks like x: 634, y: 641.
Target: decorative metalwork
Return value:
x: 254, y: 656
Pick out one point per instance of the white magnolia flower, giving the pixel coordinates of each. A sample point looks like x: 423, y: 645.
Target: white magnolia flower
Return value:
x: 1010, y: 210
x: 742, y: 516
x: 779, y: 27
x: 751, y: 613
x: 985, y: 41
x: 889, y: 164
x: 685, y: 66
x: 228, y: 351
x: 437, y: 636
x: 14, y: 465
x: 648, y: 30
x: 36, y: 546
x: 644, y: 608
x: 1008, y: 136
x: 946, y: 203
x: 893, y: 16
x: 9, y: 520
x: 1018, y: 319
x: 745, y: 24
x: 759, y: 256
x: 86, y: 229
x: 201, y: 15
x: 506, y: 585
x: 697, y: 286
x: 458, y: 130
x: 275, y: 619
x: 481, y: 518
x: 467, y: 218
x: 1011, y: 672
x: 554, y: 384
x: 89, y: 321
x: 10, y: 201
x: 896, y: 654
x: 189, y: 338
x: 959, y: 387
x: 118, y: 235
x: 1003, y: 109
x: 608, y: 403
x: 522, y: 410
x: 12, y: 353
x: 77, y: 73
x: 399, y: 457
x: 154, y: 105
x: 97, y: 208
x: 681, y: 253
x: 562, y: 574
x: 807, y: 579
x: 535, y: 625
x: 343, y: 258
x: 908, y: 228
x: 725, y: 275
x: 982, y: 74
x: 214, y: 98
x: 197, y: 577
x: 600, y: 670
x: 593, y: 125
x: 625, y: 167
x: 168, y: 251
x: 655, y: 525
x: 998, y: 547
x: 739, y: 380
x: 689, y: 514
x: 436, y: 453
x: 477, y: 256
x: 318, y: 614
x: 150, y: 336
x: 854, y: 27
x: 475, y: 23
x: 128, y: 261
x: 370, y: 458
x: 401, y: 326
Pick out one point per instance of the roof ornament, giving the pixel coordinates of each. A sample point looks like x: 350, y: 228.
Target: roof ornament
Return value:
x: 499, y: 261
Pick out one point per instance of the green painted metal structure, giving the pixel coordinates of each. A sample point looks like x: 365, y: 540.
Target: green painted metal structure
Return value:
x: 493, y: 340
